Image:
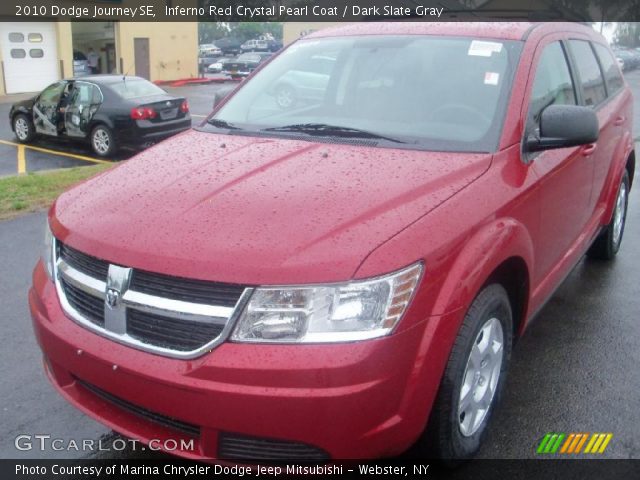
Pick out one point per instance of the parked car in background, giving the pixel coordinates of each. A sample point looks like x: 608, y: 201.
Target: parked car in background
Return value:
x: 209, y: 49
x: 207, y: 59
x: 255, y: 46
x: 630, y: 58
x: 308, y: 82
x: 229, y: 45
x: 216, y: 67
x: 80, y: 64
x: 107, y: 111
x: 244, y: 64
x: 346, y: 279
x: 274, y: 45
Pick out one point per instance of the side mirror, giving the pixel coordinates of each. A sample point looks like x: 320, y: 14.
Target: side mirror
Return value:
x: 564, y: 126
x: 221, y: 94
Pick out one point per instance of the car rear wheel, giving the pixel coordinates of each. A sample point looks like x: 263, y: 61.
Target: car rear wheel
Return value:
x: 102, y: 141
x: 23, y: 128
x: 606, y: 246
x: 474, y: 378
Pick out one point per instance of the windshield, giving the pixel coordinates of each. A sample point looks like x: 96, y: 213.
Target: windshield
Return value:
x: 134, y: 88
x: 427, y: 92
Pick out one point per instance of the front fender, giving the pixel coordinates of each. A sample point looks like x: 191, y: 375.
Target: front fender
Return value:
x: 486, y: 250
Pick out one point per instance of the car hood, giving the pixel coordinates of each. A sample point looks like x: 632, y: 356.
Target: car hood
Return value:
x: 250, y: 210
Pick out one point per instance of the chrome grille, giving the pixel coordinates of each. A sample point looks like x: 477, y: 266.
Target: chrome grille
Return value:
x: 88, y: 305
x: 170, y: 332
x: 176, y: 317
x: 186, y: 289
x: 86, y: 264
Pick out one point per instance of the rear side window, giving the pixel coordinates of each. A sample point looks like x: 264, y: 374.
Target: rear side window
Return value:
x: 553, y: 84
x: 612, y: 74
x: 590, y: 74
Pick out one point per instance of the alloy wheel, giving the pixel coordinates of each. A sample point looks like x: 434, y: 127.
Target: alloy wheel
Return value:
x: 101, y: 141
x: 481, y: 377
x: 619, y: 214
x: 21, y: 128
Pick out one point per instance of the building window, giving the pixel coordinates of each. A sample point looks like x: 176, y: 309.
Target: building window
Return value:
x: 16, y: 37
x: 35, y: 38
x: 36, y: 53
x: 18, y: 53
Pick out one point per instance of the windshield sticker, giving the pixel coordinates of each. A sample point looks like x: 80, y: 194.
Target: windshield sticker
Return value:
x: 480, y: 48
x: 491, y: 78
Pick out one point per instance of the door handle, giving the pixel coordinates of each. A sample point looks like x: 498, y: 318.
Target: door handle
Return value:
x: 589, y: 149
x: 619, y: 120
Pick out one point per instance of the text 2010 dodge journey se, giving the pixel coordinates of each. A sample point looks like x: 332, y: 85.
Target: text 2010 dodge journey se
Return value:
x: 342, y: 274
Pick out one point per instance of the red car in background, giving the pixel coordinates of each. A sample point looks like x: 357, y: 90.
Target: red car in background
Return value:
x: 344, y: 277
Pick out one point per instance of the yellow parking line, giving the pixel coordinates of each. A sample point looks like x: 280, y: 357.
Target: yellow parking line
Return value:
x: 22, y: 162
x: 55, y: 152
x: 199, y: 116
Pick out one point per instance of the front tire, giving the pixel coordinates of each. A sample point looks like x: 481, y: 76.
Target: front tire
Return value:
x: 23, y: 128
x: 474, y: 378
x: 102, y: 140
x: 606, y: 246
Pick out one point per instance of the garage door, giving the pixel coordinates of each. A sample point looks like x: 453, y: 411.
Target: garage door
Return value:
x: 29, y: 55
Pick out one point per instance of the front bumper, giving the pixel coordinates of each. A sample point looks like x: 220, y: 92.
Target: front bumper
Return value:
x: 358, y: 400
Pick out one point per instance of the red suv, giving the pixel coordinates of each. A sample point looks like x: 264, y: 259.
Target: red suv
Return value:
x: 344, y: 274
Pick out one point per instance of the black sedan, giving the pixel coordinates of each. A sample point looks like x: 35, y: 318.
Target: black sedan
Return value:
x: 108, y: 111
x: 244, y: 64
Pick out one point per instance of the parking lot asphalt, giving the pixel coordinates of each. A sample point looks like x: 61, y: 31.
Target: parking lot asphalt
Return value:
x: 48, y: 154
x: 575, y: 370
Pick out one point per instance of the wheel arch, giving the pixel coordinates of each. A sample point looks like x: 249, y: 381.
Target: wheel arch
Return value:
x: 500, y: 252
x: 20, y: 111
x: 100, y: 120
x: 513, y: 275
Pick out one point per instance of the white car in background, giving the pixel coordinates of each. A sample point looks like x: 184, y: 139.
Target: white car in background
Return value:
x: 307, y: 83
x: 208, y: 50
x: 255, y: 46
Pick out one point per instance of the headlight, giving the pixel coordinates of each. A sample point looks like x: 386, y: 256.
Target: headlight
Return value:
x: 48, y: 252
x: 328, y: 313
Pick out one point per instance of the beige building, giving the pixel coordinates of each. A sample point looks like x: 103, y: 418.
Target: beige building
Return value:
x: 35, y: 54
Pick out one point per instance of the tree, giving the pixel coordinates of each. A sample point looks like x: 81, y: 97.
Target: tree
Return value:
x: 208, y: 32
x: 627, y: 34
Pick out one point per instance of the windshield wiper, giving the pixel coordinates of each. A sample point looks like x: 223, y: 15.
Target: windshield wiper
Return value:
x: 330, y: 131
x: 216, y: 122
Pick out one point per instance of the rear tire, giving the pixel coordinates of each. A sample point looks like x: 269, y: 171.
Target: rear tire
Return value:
x: 473, y: 379
x: 23, y: 128
x: 607, y: 244
x: 103, y: 142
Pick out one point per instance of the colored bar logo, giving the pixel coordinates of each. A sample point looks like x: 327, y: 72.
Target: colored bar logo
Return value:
x: 573, y: 443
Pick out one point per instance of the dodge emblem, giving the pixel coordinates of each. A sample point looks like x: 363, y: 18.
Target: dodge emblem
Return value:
x: 113, y: 297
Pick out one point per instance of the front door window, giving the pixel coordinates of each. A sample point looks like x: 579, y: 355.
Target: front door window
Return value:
x: 45, y: 110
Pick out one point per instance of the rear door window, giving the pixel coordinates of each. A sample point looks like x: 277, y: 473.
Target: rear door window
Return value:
x: 591, y: 79
x: 612, y: 74
x: 553, y: 84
